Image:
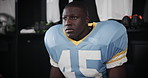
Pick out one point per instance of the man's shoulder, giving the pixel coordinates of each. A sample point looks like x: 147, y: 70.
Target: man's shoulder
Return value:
x: 54, y: 29
x: 52, y: 35
x: 109, y: 30
x: 111, y: 25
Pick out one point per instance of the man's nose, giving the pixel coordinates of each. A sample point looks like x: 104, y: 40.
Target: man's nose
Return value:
x: 68, y: 22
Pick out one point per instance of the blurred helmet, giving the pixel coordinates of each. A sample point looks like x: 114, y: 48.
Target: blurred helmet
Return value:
x: 6, y: 23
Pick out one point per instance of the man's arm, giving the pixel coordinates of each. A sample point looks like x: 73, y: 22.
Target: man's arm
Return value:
x: 117, y: 72
x: 56, y: 73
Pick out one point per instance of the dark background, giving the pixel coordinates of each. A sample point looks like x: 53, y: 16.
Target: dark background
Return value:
x: 25, y: 56
x: 30, y: 11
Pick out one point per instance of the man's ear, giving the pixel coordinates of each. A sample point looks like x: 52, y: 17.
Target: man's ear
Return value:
x: 87, y: 19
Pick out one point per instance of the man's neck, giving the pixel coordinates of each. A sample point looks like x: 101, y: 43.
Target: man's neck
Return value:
x: 84, y: 33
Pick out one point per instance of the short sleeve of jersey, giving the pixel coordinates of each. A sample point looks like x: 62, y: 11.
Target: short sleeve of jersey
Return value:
x: 53, y: 63
x: 117, y: 49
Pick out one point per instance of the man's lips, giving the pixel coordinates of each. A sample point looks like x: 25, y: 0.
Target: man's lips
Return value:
x: 69, y: 30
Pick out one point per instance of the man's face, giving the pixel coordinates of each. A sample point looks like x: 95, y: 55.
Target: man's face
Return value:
x: 75, y: 22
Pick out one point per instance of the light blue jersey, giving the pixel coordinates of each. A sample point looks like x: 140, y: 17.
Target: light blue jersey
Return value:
x: 105, y: 47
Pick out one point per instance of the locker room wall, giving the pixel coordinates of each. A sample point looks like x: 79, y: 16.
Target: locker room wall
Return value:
x: 35, y: 10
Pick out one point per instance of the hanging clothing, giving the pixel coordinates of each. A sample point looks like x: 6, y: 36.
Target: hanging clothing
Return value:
x: 113, y: 9
x: 8, y: 7
x: 70, y: 1
x: 53, y: 10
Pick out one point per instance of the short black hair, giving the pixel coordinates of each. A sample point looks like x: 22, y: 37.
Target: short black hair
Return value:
x: 78, y: 4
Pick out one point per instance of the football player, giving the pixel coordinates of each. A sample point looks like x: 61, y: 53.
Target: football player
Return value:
x: 79, y: 49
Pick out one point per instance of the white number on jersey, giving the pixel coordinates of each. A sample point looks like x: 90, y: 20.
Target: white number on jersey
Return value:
x: 84, y: 55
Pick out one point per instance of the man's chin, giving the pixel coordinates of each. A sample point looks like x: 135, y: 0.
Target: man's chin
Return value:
x: 69, y: 35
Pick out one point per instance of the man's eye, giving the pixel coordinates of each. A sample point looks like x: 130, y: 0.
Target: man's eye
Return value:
x: 71, y: 18
x: 64, y: 18
x: 74, y: 17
